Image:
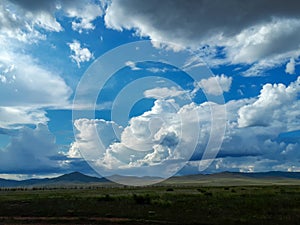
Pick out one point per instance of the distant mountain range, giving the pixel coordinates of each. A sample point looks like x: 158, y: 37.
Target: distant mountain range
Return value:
x: 224, y: 178
x: 64, y: 180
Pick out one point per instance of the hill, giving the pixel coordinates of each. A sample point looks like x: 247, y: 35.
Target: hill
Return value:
x: 217, y: 179
x: 74, y: 178
x: 238, y: 179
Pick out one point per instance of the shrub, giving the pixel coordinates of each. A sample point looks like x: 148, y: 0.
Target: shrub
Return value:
x: 170, y: 189
x: 142, y: 199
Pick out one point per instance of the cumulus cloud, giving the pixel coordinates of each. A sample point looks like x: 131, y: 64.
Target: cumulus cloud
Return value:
x: 79, y: 54
x: 248, y: 32
x: 290, y: 66
x: 88, y: 131
x: 276, y: 102
x: 154, y: 139
x: 161, y: 139
x: 215, y: 85
x: 156, y: 143
x: 266, y: 151
x: 262, y: 120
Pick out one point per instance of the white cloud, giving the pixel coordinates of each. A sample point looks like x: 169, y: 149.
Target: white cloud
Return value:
x: 265, y: 151
x: 164, y: 92
x: 79, y: 54
x: 290, y: 66
x: 28, y: 89
x: 3, y: 79
x: 46, y: 21
x: 20, y: 23
x: 16, y: 117
x: 27, y: 21
x: 151, y: 140
x: 93, y: 137
x: 161, y: 70
x: 25, y: 89
x: 157, y: 143
x: 257, y: 42
x: 84, y: 15
x: 215, y: 85
x: 132, y: 65
x: 276, y: 103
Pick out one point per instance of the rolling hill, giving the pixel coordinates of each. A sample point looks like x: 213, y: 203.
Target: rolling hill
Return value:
x: 218, y: 179
x: 64, y: 180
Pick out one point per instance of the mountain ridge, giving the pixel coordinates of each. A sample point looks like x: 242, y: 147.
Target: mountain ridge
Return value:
x: 77, y: 178
x: 70, y: 178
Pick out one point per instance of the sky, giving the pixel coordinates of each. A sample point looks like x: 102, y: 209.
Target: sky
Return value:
x: 149, y: 88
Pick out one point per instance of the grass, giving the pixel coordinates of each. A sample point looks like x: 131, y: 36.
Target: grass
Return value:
x: 152, y: 205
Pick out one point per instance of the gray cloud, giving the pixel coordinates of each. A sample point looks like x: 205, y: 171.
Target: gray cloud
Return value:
x: 34, y: 151
x: 290, y: 66
x: 29, y: 150
x: 33, y: 5
x: 199, y: 18
x: 249, y: 30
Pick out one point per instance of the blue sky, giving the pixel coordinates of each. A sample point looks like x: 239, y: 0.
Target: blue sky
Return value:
x: 220, y: 93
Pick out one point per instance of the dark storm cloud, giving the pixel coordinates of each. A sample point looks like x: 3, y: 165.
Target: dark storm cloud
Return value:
x: 29, y: 150
x: 48, y: 5
x: 34, y: 5
x: 249, y: 30
x: 198, y: 18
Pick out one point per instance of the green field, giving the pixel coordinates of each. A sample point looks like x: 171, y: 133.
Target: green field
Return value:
x: 152, y: 205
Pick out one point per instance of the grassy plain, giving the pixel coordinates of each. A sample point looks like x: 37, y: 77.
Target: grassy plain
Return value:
x: 166, y: 204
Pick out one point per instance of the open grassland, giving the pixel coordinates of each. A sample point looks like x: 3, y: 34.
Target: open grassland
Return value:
x: 224, y: 179
x: 166, y: 204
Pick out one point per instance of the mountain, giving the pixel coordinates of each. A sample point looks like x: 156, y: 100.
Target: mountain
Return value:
x: 74, y: 178
x: 77, y: 177
x: 217, y: 179
x: 8, y: 183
